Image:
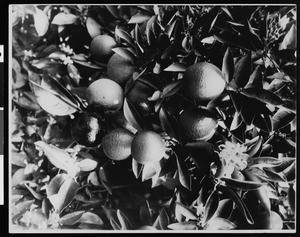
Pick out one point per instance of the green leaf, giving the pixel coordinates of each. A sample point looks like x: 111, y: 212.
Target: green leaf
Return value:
x: 90, y: 218
x: 125, y: 36
x: 132, y: 115
x: 65, y: 195
x: 218, y: 223
x: 228, y: 65
x: 137, y: 168
x: 176, y: 67
x: 164, y: 219
x: 282, y: 118
x: 241, y: 185
x: 41, y: 22
x: 168, y: 123
x: 145, y: 213
x: 183, y: 172
x: 286, y: 162
x: 124, y: 221
x: 256, y: 147
x: 243, y: 71
x: 70, y: 218
x: 225, y: 208
x: 186, y: 225
x: 87, y: 165
x: 64, y: 19
x: 262, y: 95
x: 93, y: 27
x: 115, y: 223
x: 103, y: 177
x: 240, y: 204
x: 256, y: 78
x: 290, y: 40
x: 55, y: 184
x: 263, y: 121
x: 171, y: 89
x: 138, y: 18
x: 185, y: 211
x: 150, y: 32
x: 275, y: 177
x: 211, y: 206
x: 236, y: 40
x: 113, y: 10
x: 125, y: 53
x: 264, y: 162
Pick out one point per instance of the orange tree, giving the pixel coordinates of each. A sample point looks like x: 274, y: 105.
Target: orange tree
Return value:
x: 190, y: 126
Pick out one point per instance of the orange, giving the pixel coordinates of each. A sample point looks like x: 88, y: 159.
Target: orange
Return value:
x: 119, y: 69
x: 202, y: 82
x: 105, y: 94
x: 101, y: 47
x: 117, y: 144
x: 147, y: 147
x: 196, y: 124
x: 87, y: 129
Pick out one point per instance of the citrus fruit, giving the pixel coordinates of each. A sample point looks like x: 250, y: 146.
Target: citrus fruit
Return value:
x: 202, y: 82
x: 101, y: 47
x: 105, y: 94
x: 117, y: 144
x: 119, y: 69
x: 87, y: 129
x: 196, y: 124
x: 147, y: 147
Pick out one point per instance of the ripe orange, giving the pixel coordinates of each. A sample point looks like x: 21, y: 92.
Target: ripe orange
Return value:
x: 117, y: 144
x: 101, y: 47
x: 147, y: 147
x: 87, y: 129
x: 119, y: 69
x: 105, y: 94
x: 196, y: 124
x: 203, y: 82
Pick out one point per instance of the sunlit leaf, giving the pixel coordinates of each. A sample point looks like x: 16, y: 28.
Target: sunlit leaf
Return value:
x: 289, y: 41
x: 176, y: 67
x: 228, y: 65
x: 90, y: 218
x: 140, y: 17
x: 125, y: 53
x: 64, y: 19
x: 185, y: 211
x: 255, y: 80
x: 218, y: 223
x: 125, y: 36
x: 124, y: 221
x: 93, y: 27
x: 264, y: 162
x: 41, y: 22
x: 65, y: 194
x: 70, y: 218
x: 164, y: 219
x: 186, y: 225
x: 87, y: 165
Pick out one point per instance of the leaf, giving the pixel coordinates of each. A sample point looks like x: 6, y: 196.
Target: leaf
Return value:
x: 168, y: 123
x: 124, y: 221
x: 243, y: 71
x: 52, y: 102
x: 103, y: 178
x: 226, y: 10
x: 41, y: 22
x: 137, y: 168
x: 290, y: 40
x: 241, y: 185
x: 125, y: 36
x: 148, y: 172
x: 236, y: 99
x: 275, y: 177
x: 240, y: 204
x: 93, y: 27
x: 138, y: 18
x: 115, y: 223
x: 18, y: 177
x: 186, y: 225
x: 264, y: 162
x: 28, y: 102
x: 263, y: 121
x: 58, y: 157
x: 183, y: 172
x: 65, y: 195
x: 113, y: 10
x: 90, y: 218
x: 185, y: 211
x: 211, y: 206
x: 64, y: 19
x: 70, y: 218
x: 219, y: 223
x: 164, y: 219
x: 145, y: 213
x: 225, y: 208
x: 150, y: 30
x: 282, y: 118
x: 226, y: 37
x: 254, y: 148
x: 256, y: 78
x: 228, y: 65
x: 176, y: 67
x: 133, y: 116
x: 87, y: 165
x: 286, y: 162
x: 262, y: 95
x: 87, y: 64
x: 125, y: 53
x: 55, y: 184
x: 171, y: 89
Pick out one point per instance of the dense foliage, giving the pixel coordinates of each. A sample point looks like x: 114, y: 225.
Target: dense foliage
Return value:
x: 241, y: 177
